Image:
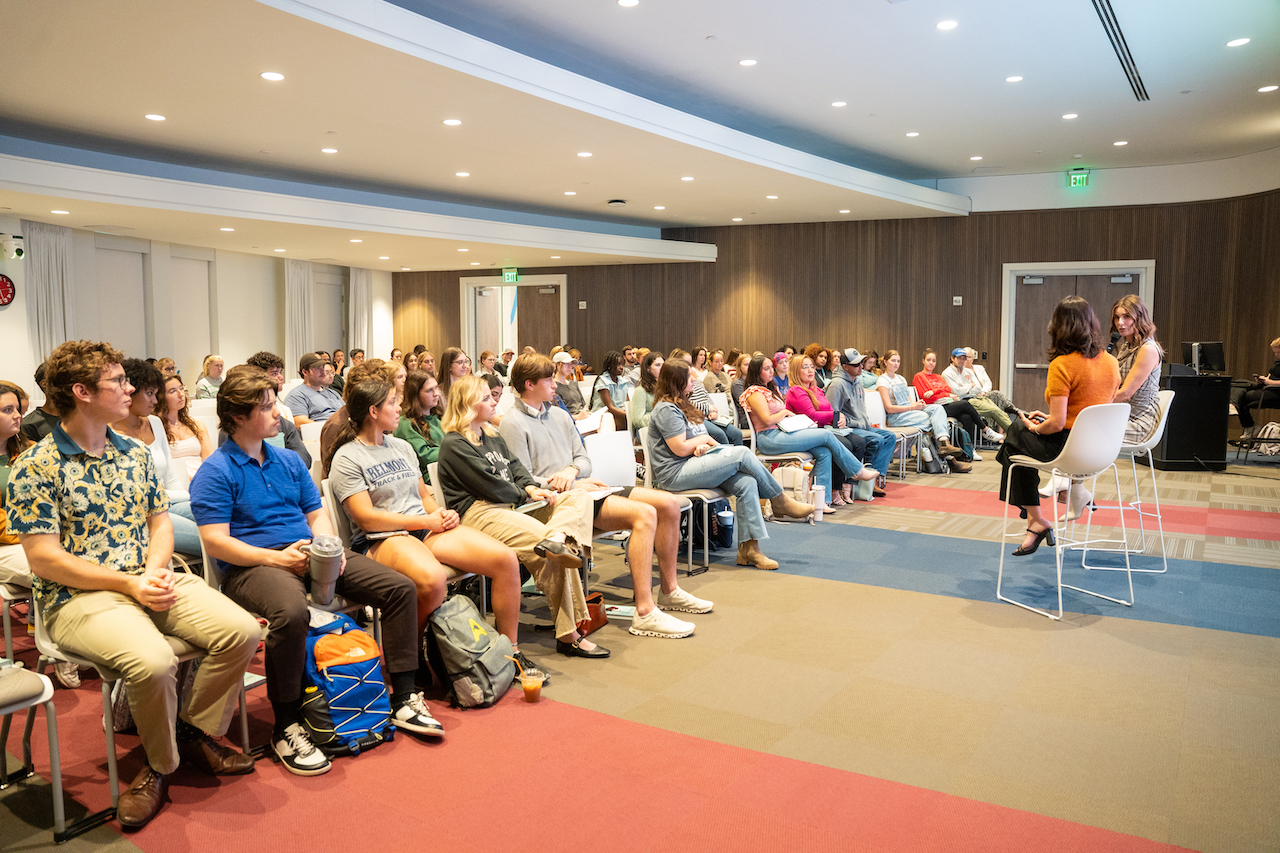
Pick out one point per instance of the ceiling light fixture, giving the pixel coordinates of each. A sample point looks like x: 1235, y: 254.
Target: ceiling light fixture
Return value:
x: 1121, y: 142
x: 453, y: 122
x: 771, y: 196
x: 746, y: 63
x: 737, y: 219
x: 1269, y: 88
x: 947, y: 25
x: 1070, y: 116
x: 357, y: 240
x: 226, y: 229
x: 839, y: 104
x: 404, y: 269
x: 61, y: 212
x: 475, y: 263
x: 628, y: 3
x: 462, y: 174
x: 277, y: 250
x: 659, y: 207
x: 914, y: 133
x: 273, y: 76
x: 1237, y: 42
x: 975, y: 158
x: 384, y: 257
x: 686, y: 179
x: 570, y: 192
x: 464, y: 250
x: 1014, y: 79
x: 555, y: 257
x: 844, y: 211
x: 154, y: 116
x: 328, y: 150
x: 584, y: 153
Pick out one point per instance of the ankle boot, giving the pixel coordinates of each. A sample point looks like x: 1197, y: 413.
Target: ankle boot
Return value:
x: 749, y: 554
x: 785, y: 506
x: 958, y: 467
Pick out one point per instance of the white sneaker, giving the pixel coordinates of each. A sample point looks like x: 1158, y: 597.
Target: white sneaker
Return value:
x: 298, y: 754
x: 68, y: 674
x: 659, y: 624
x: 975, y: 457
x: 683, y: 601
x: 992, y: 436
x: 414, y: 716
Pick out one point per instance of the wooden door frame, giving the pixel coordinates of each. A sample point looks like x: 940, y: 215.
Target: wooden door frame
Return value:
x: 467, y: 284
x: 1144, y: 269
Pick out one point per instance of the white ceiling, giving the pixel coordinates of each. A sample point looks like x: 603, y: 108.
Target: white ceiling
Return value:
x: 356, y: 80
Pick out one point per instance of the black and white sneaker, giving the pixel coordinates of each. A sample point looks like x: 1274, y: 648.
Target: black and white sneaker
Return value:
x: 413, y: 716
x: 298, y: 754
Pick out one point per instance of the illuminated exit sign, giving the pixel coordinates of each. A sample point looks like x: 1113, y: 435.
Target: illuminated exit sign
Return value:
x: 510, y: 274
x: 1078, y: 178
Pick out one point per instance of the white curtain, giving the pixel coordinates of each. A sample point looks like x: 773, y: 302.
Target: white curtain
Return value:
x: 48, y: 273
x: 298, y: 324
x: 359, y: 297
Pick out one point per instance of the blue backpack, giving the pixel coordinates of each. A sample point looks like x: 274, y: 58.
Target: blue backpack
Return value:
x: 345, y: 706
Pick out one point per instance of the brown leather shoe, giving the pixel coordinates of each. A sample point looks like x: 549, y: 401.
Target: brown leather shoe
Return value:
x: 749, y: 554
x: 877, y: 492
x: 785, y: 506
x: 212, y: 757
x: 959, y: 467
x: 141, y: 802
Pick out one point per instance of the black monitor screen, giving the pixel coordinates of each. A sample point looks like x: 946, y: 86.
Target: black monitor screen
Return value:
x: 1212, y: 358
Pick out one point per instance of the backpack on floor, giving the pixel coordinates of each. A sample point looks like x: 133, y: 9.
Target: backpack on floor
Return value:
x: 721, y: 535
x: 345, y: 706
x: 469, y: 652
x: 932, y: 465
x: 1267, y: 440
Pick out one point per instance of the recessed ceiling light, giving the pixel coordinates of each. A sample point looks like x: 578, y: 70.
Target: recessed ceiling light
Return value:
x: 947, y: 25
x: 154, y: 116
x: 328, y: 150
x: 357, y: 240
x: 584, y: 153
x: 839, y: 104
x: 273, y: 76
x: 659, y: 207
x: 1014, y: 79
x: 61, y: 212
x: 453, y: 122
x: 384, y: 257
x: 570, y: 192
x: 475, y: 263
x: 464, y: 250
x: 555, y: 257
x: 1071, y: 116
x: 771, y: 196
x: 226, y: 229
x: 844, y: 211
x: 737, y: 219
x: 746, y: 62
x: 1237, y: 42
x: 1269, y: 88
x: 1121, y: 142
x: 628, y: 3
x: 277, y: 250
x: 975, y: 158
x: 462, y: 174
x: 914, y: 133
x: 405, y: 269
x: 686, y: 179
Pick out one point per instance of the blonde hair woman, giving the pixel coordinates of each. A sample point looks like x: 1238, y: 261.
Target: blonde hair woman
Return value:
x: 210, y: 377
x: 483, y: 482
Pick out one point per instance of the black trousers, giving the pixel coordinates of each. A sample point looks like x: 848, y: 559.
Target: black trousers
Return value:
x: 280, y: 597
x: 1246, y: 401
x: 1020, y: 487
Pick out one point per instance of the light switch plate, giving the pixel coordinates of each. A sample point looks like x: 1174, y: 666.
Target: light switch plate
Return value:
x: 582, y: 306
x: 957, y: 300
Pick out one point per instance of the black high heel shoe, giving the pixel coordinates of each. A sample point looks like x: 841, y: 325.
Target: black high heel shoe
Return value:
x: 1023, y: 551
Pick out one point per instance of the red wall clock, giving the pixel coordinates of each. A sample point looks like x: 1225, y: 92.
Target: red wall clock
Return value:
x: 7, y: 290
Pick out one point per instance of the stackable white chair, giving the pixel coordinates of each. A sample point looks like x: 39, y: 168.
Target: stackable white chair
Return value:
x: 705, y: 496
x: 204, y: 408
x: 907, y: 436
x: 11, y: 594
x: 1092, y: 447
x: 1133, y: 451
x: 22, y: 690
x: 613, y: 463
x: 800, y: 456
x: 311, y: 431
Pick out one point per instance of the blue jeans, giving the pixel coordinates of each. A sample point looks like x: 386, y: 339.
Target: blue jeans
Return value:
x: 822, y: 443
x: 880, y: 445
x: 724, y: 435
x: 735, y: 470
x: 186, y: 535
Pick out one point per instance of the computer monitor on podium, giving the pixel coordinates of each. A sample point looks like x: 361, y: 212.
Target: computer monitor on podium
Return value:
x: 1204, y: 356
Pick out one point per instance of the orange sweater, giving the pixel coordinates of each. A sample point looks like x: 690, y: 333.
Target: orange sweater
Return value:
x: 1083, y: 381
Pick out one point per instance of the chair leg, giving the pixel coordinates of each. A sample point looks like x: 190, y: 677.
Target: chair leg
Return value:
x: 1004, y: 537
x: 8, y: 632
x: 55, y: 775
x: 1125, y: 550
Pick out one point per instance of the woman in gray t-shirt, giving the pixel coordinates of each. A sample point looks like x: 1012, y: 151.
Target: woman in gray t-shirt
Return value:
x: 683, y: 456
x: 375, y: 477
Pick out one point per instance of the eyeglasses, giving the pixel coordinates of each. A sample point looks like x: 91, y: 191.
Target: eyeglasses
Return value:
x: 121, y: 380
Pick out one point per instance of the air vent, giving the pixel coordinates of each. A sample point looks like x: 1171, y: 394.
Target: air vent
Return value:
x: 1112, y: 27
x: 324, y: 260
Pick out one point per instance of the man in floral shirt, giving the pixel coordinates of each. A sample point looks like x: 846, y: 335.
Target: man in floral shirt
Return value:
x: 94, y: 523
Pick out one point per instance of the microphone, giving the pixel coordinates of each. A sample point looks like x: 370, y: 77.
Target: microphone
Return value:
x: 1115, y: 337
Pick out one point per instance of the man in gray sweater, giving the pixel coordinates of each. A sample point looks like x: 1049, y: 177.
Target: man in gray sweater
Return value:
x: 546, y: 441
x: 845, y: 393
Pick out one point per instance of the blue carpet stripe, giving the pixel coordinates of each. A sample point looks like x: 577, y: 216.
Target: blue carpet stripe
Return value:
x: 1222, y: 596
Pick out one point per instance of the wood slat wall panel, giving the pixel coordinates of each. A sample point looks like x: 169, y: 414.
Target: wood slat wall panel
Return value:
x: 888, y: 284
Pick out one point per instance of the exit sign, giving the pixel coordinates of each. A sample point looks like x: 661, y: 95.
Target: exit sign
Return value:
x: 510, y: 274
x: 1078, y: 178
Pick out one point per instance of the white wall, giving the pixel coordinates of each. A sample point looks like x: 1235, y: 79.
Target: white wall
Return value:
x: 17, y: 362
x: 189, y: 315
x: 250, y: 298
x: 121, y: 297
x: 382, y: 333
x: 328, y: 307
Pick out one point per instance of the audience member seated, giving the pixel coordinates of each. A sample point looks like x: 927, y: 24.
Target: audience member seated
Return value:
x: 167, y: 366
x: 454, y: 364
x: 484, y: 482
x: 396, y: 354
x: 1265, y: 390
x: 610, y: 390
x: 420, y: 420
x: 410, y: 362
x: 934, y: 390
x: 210, y: 377
x: 389, y: 371
x: 567, y: 390
x: 1139, y: 356
x: 683, y: 456
x: 631, y: 356
x: 274, y: 366
x: 1082, y: 373
x: 965, y: 385
x: 902, y: 412
x: 767, y: 407
x: 870, y: 370
x: 147, y: 429
x: 821, y: 358
x: 782, y: 371
x: 643, y: 398
x: 737, y: 386
x: 848, y: 400
x: 698, y: 362
x: 489, y: 364
x: 719, y: 426
x: 374, y: 476
x: 257, y: 508
x: 94, y: 523
x: 717, y: 380
x: 543, y: 437
x: 503, y: 366
x: 313, y: 401
x: 494, y: 383
x: 427, y: 362
x: 189, y: 442
x: 804, y: 397
x: 41, y: 421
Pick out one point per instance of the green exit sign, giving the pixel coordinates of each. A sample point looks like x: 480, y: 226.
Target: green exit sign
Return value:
x: 1078, y: 178
x: 510, y: 274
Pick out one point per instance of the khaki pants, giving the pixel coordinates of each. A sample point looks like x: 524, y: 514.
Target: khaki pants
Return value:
x: 991, y: 411
x: 572, y: 516
x: 115, y: 630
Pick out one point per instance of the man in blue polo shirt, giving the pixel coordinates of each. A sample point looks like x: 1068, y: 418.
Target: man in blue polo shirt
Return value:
x: 257, y: 508
x: 313, y: 400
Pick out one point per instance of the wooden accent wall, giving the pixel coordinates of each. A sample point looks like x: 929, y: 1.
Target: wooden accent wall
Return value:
x: 888, y: 283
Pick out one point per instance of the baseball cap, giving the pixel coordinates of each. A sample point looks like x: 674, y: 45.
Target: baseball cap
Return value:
x: 959, y: 351
x: 850, y: 355
x: 310, y: 360
x: 562, y: 358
